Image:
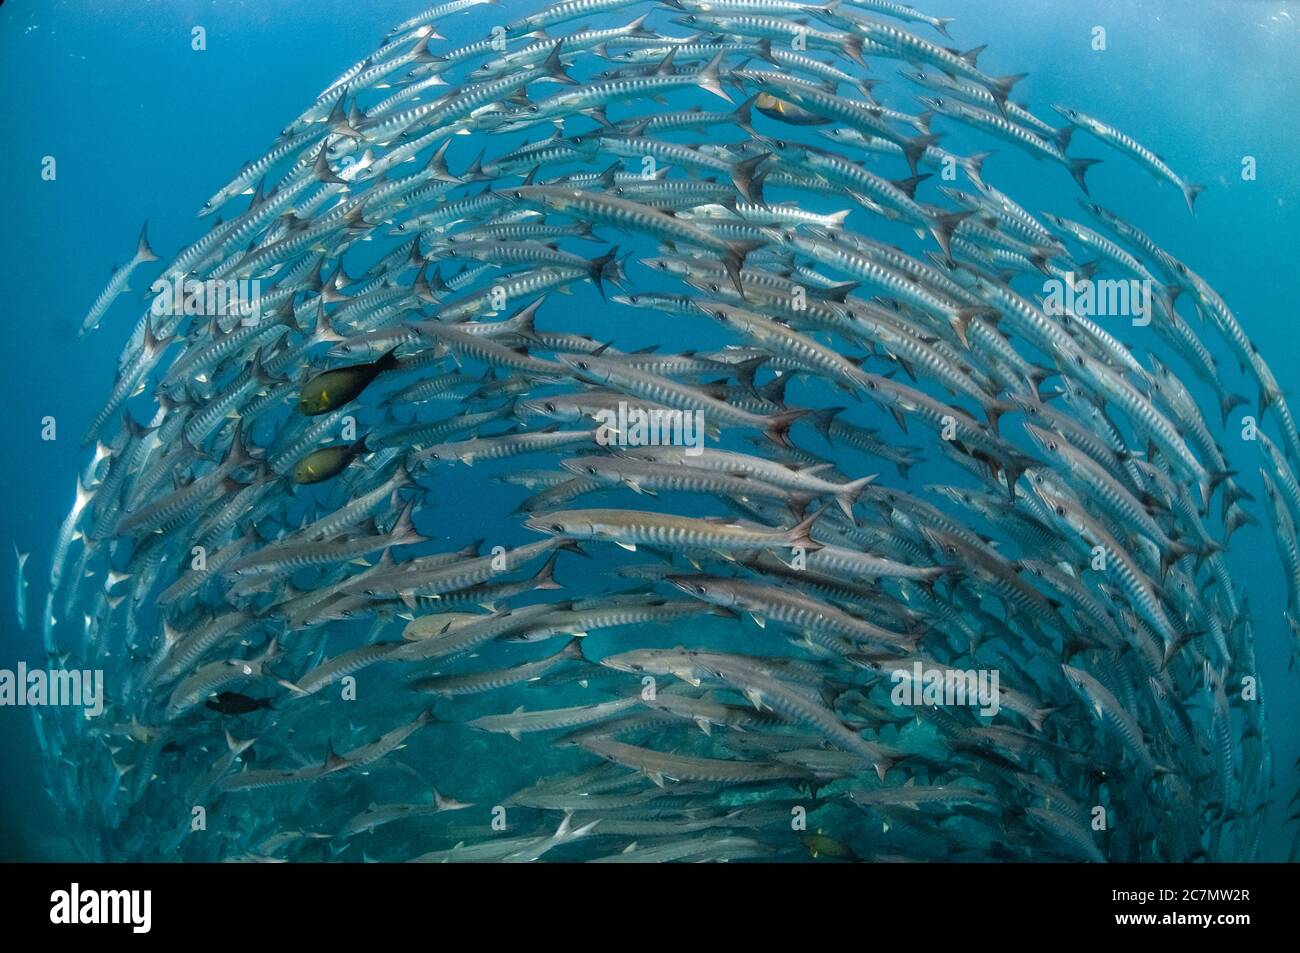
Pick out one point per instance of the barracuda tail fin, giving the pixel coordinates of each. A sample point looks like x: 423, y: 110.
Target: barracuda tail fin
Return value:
x: 974, y: 166
x: 852, y: 47
x: 748, y: 183
x: 545, y: 578
x: 321, y: 169
x: 799, y: 537
x: 962, y: 317
x: 1189, y: 195
x: 1014, y: 467
x: 597, y: 266
x: 1079, y: 168
x: 638, y: 28
x: 236, y: 455
x: 338, y: 120
x: 1232, y: 493
x: 1208, y: 548
x: 822, y: 419
x: 1173, y: 647
x: 142, y: 250
x: 524, y: 319
x: 778, y: 429
x: 850, y: 493
x: 403, y: 531
x: 1170, y: 556
x: 423, y: 289
x: 1227, y: 402
x: 710, y: 77
x: 443, y: 803
x: 908, y: 186
x: 554, y: 67
x: 1040, y: 715
x: 914, y: 149
x: 735, y: 260
x: 1000, y: 87
x: 437, y: 169
x: 743, y: 116
x: 1233, y: 520
x: 420, y: 52
x: 572, y: 546
x: 744, y: 370
x: 994, y: 411
x: 942, y: 227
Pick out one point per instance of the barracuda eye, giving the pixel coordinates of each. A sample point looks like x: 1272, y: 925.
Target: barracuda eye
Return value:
x: 584, y: 366
x: 550, y: 407
x: 207, y: 205
x: 557, y: 527
x: 700, y: 590
x: 781, y: 144
x: 1060, y: 510
x: 591, y: 470
x: 713, y: 287
x: 1052, y: 446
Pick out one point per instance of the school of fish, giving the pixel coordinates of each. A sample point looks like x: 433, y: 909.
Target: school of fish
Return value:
x: 909, y: 466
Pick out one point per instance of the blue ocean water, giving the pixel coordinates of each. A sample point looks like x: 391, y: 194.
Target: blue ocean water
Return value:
x: 143, y: 127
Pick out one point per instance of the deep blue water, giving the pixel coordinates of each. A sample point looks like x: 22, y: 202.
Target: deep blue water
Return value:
x: 142, y: 127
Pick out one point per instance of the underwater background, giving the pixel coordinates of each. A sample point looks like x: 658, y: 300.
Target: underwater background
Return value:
x: 143, y: 127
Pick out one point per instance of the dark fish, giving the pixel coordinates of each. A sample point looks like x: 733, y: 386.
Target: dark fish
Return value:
x: 233, y: 703
x: 331, y: 389
x: 782, y: 111
x: 320, y: 465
